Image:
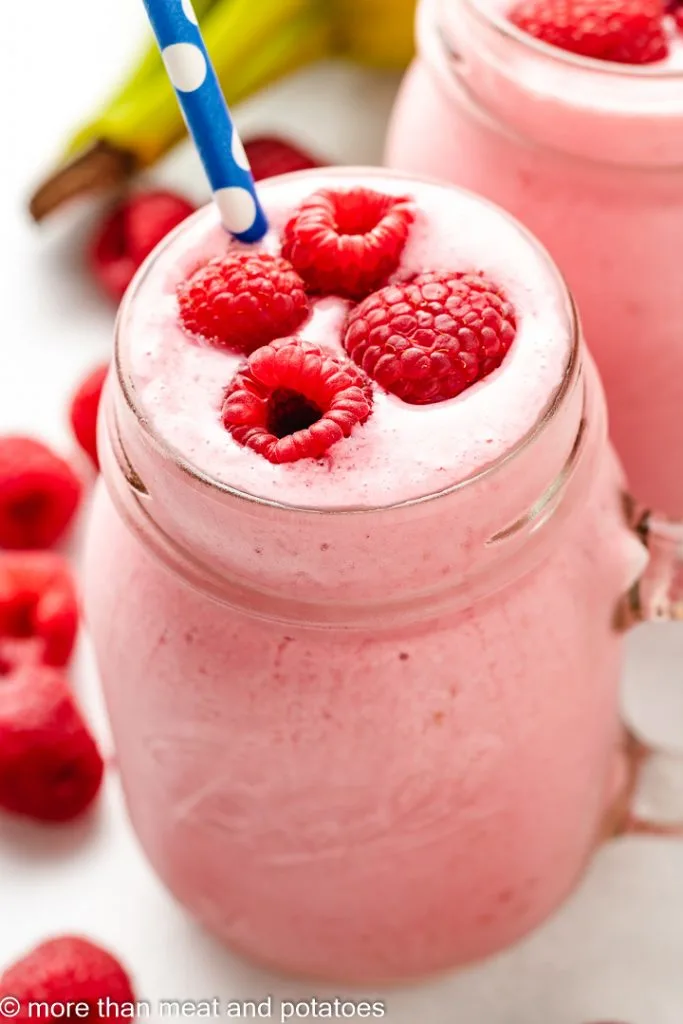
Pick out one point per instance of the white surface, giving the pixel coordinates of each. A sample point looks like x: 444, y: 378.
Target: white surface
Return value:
x: 615, y: 952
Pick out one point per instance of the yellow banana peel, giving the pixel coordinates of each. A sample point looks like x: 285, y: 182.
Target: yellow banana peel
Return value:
x: 252, y: 43
x: 378, y: 33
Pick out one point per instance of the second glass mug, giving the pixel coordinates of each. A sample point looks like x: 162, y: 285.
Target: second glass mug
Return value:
x: 589, y: 156
x: 372, y: 745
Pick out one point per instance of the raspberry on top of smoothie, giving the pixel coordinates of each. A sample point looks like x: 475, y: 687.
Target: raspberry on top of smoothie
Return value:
x: 243, y: 300
x: 425, y: 340
x: 431, y: 339
x: 618, y: 31
x: 348, y: 242
x: 293, y: 401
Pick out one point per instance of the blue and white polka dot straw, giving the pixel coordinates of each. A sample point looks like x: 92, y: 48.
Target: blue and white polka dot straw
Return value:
x: 201, y: 99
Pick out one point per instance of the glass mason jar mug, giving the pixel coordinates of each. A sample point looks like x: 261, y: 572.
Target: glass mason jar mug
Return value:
x: 374, y: 743
x: 589, y: 156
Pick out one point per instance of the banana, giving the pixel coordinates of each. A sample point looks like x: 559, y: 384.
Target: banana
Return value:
x: 149, y: 65
x: 378, y: 33
x: 252, y: 43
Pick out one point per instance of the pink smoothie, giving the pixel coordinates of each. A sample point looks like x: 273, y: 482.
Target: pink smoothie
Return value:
x: 365, y: 709
x: 589, y: 155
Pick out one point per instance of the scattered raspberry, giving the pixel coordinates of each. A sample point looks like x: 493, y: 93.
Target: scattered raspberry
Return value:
x: 348, y: 243
x: 50, y: 767
x: 66, y: 971
x: 428, y: 340
x: 129, y: 234
x: 271, y: 156
x: 675, y: 9
x: 83, y: 411
x: 37, y: 603
x: 622, y: 31
x: 294, y: 400
x: 39, y: 494
x: 243, y: 301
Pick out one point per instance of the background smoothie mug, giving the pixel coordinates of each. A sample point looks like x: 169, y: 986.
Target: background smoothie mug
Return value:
x: 589, y: 155
x: 366, y: 706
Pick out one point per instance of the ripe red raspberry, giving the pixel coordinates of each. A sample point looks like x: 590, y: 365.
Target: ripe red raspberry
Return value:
x: 37, y: 603
x: 621, y: 31
x: 293, y: 400
x: 128, y: 235
x: 428, y: 340
x: 50, y: 767
x: 270, y: 156
x: 348, y: 243
x: 39, y: 494
x: 243, y: 301
x: 83, y: 411
x: 69, y: 970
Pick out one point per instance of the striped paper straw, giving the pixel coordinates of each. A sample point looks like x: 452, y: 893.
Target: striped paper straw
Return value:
x: 207, y: 116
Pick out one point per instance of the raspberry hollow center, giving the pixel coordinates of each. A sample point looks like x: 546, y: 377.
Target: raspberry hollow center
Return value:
x: 356, y: 216
x: 19, y: 618
x: 289, y: 411
x: 31, y: 508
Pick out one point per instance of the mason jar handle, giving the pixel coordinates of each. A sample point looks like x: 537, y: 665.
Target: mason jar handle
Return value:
x: 657, y: 596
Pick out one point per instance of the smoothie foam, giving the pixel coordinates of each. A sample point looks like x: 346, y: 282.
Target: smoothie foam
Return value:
x: 403, y: 451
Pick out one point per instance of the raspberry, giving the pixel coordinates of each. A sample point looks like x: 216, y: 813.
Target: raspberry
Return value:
x: 83, y: 412
x: 243, y: 301
x: 293, y: 400
x: 39, y: 494
x: 128, y: 235
x: 271, y: 156
x: 429, y: 340
x: 37, y: 603
x: 348, y: 243
x: 50, y: 767
x: 622, y: 31
x: 66, y: 971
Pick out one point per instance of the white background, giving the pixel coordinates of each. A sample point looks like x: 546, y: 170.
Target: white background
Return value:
x: 615, y: 952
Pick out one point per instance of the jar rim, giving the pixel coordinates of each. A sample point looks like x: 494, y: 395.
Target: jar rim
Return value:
x: 204, y: 480
x: 609, y: 69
